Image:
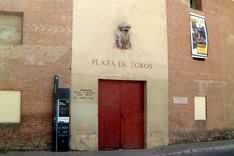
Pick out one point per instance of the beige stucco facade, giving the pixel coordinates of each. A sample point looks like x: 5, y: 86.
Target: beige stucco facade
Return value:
x: 95, y: 57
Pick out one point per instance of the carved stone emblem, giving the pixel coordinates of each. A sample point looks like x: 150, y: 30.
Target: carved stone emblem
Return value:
x: 123, y: 36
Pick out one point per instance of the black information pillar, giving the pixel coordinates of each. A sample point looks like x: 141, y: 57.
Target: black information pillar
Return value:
x: 61, y: 117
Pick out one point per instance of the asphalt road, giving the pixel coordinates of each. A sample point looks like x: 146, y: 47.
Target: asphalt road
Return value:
x: 217, y: 153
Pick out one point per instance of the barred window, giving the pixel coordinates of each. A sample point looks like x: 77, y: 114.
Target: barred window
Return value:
x: 11, y: 28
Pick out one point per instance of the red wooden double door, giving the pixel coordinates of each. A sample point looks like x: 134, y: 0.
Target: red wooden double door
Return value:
x: 121, y: 115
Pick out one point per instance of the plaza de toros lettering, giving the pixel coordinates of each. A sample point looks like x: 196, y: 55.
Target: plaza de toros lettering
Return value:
x: 122, y: 64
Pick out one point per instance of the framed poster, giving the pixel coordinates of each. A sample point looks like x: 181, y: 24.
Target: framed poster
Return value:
x: 198, y: 36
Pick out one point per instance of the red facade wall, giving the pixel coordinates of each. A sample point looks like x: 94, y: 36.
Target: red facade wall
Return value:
x: 30, y: 67
x: 189, y: 77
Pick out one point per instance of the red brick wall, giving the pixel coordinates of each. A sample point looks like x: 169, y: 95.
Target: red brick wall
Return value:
x: 30, y: 67
x: 189, y: 77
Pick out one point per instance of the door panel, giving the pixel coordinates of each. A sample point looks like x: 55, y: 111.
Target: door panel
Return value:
x: 109, y: 116
x: 132, y: 109
x: 121, y: 114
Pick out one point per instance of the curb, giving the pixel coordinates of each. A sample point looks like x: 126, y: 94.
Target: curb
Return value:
x: 199, y: 150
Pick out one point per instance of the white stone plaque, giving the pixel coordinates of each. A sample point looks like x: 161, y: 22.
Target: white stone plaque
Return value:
x: 180, y: 100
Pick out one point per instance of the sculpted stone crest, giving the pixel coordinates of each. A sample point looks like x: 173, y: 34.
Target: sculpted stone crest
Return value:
x: 123, y: 36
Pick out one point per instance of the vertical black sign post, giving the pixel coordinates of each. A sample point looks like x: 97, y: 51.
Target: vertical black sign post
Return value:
x: 61, y: 117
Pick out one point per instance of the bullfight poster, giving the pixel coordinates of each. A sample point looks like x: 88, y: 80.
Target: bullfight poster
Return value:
x: 199, y: 36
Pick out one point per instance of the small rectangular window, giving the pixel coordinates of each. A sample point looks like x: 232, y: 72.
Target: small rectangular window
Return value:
x: 199, y: 108
x: 196, y: 4
x: 11, y: 28
x: 10, y: 103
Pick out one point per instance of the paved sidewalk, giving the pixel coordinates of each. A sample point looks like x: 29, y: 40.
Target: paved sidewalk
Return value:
x: 161, y: 151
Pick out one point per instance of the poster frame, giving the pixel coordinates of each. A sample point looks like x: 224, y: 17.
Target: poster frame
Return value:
x: 195, y: 53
